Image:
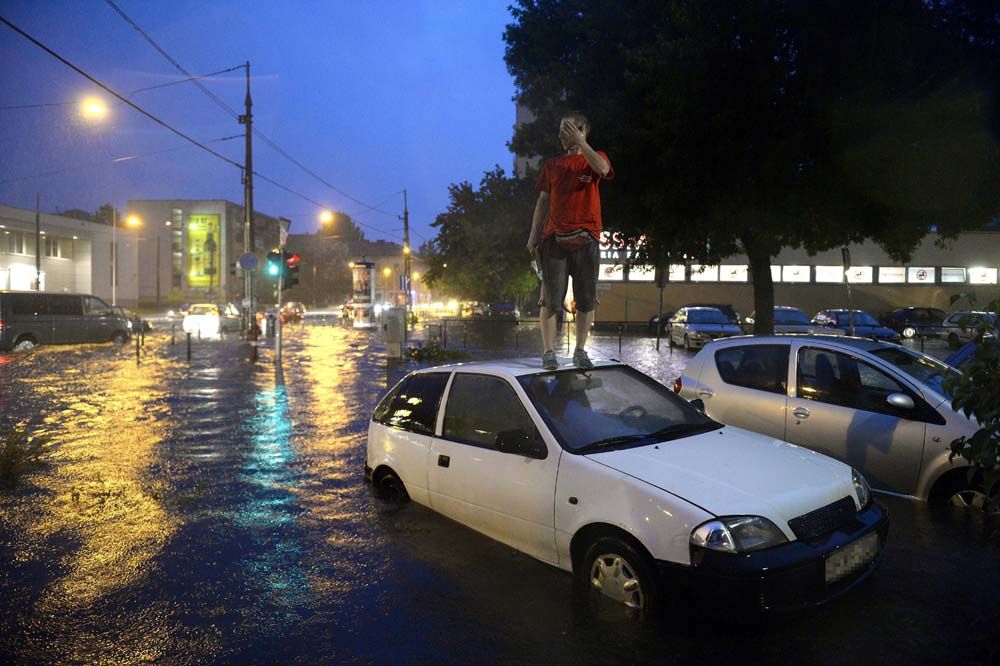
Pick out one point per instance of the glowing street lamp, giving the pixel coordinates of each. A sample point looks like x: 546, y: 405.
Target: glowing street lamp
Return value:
x: 326, y: 217
x: 93, y: 108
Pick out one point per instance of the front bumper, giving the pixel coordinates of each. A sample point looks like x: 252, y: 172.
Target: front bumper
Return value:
x: 785, y: 577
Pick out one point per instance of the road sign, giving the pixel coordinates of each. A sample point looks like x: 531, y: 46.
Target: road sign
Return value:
x: 248, y: 261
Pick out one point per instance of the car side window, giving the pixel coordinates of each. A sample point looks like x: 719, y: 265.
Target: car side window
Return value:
x: 839, y: 379
x: 760, y: 367
x: 414, y: 404
x: 29, y: 304
x: 94, y: 306
x: 65, y: 305
x: 479, y: 407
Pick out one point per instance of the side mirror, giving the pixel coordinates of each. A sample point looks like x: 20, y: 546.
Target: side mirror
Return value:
x: 698, y: 404
x: 519, y: 443
x: 900, y: 401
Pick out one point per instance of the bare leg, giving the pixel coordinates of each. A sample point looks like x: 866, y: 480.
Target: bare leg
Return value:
x: 583, y: 322
x: 547, y: 321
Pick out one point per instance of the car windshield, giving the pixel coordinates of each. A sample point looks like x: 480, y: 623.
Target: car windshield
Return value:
x: 203, y: 310
x: 924, y: 369
x: 860, y: 319
x: 783, y: 316
x: 610, y: 408
x: 706, y: 317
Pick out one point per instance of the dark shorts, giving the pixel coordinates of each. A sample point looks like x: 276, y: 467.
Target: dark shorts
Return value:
x: 558, y: 264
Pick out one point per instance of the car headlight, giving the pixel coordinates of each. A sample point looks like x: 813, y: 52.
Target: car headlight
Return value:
x: 861, y: 488
x: 737, y: 534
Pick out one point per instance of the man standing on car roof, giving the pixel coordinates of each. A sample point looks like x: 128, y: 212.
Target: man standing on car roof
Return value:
x: 569, y: 204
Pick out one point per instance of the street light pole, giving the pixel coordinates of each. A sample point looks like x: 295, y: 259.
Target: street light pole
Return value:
x: 114, y: 255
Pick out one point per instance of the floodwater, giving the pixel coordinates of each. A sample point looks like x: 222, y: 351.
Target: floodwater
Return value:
x: 214, y: 511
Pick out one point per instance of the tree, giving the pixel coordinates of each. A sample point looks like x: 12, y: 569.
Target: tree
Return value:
x: 479, y: 252
x: 754, y: 125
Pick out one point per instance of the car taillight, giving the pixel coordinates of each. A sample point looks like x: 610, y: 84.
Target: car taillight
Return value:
x: 677, y: 385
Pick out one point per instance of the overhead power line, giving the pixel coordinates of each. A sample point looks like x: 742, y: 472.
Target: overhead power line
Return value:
x: 117, y: 95
x: 222, y: 104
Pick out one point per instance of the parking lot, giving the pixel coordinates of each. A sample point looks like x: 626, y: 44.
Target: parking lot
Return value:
x: 202, y: 510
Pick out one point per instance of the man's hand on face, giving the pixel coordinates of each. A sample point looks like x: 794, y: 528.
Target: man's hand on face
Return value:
x: 570, y: 134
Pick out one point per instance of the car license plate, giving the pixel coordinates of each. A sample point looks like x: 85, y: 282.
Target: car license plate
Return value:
x: 852, y: 558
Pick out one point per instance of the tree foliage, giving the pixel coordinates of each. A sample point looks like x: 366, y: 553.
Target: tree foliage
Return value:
x: 479, y: 252
x: 754, y: 125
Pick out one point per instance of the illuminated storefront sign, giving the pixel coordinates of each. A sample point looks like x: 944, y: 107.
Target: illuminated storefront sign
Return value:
x: 860, y: 274
x: 891, y: 275
x: 920, y: 275
x: 980, y: 275
x: 733, y: 273
x: 700, y: 273
x: 795, y: 274
x: 830, y: 274
x: 641, y: 274
x: 611, y: 273
x: 677, y: 273
x: 204, y: 251
x: 775, y: 273
x: 953, y: 275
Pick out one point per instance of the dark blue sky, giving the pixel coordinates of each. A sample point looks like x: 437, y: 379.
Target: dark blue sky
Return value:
x: 373, y: 96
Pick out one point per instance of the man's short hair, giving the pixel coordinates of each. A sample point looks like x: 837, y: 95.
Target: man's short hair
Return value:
x: 579, y: 119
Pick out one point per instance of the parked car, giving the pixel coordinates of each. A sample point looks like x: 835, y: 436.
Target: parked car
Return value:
x: 963, y: 326
x: 694, y: 326
x: 793, y: 320
x: 728, y: 310
x: 911, y: 322
x: 30, y: 318
x: 609, y: 475
x: 656, y: 321
x: 865, y: 325
x: 879, y: 407
x: 292, y: 311
x: 211, y: 320
x: 503, y: 311
x: 965, y: 353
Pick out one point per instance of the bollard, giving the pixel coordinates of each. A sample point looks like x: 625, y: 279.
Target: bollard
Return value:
x: 142, y: 334
x: 444, y: 333
x: 137, y: 349
x: 515, y: 337
x: 189, y: 346
x: 621, y: 329
x: 173, y: 334
x: 465, y: 335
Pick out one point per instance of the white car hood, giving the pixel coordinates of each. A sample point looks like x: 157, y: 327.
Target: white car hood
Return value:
x: 736, y: 472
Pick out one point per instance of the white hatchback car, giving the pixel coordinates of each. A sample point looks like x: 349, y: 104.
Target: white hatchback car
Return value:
x: 611, y: 476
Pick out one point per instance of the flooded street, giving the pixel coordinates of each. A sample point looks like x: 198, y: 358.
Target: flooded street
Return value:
x: 206, y: 511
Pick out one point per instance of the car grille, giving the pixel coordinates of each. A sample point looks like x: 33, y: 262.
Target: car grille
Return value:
x: 823, y: 520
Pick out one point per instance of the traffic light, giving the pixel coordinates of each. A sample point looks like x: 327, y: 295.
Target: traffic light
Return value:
x: 273, y: 263
x: 292, y: 260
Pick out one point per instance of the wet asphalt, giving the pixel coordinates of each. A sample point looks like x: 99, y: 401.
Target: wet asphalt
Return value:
x: 207, y: 512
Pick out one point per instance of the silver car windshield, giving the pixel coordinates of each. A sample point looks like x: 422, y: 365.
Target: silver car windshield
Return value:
x: 610, y: 408
x: 922, y: 368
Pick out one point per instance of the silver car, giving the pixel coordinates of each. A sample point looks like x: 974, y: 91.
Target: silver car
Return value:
x: 877, y: 406
x: 962, y: 326
x: 694, y: 326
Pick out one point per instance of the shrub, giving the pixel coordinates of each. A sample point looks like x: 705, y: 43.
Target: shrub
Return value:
x: 20, y: 454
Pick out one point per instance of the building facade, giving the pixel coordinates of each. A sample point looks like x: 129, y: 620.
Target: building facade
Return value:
x: 76, y: 255
x: 188, y: 250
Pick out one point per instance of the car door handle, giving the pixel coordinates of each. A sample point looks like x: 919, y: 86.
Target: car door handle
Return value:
x: 800, y: 413
x: 444, y: 461
x: 706, y: 392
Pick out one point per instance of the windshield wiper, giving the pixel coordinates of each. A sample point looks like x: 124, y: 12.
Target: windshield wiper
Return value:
x: 611, y: 441
x: 679, y: 429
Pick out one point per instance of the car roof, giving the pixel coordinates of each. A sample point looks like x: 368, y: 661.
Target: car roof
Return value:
x: 514, y: 367
x: 844, y: 341
x: 702, y: 307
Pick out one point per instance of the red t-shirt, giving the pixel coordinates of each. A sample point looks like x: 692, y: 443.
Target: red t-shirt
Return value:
x: 574, y: 202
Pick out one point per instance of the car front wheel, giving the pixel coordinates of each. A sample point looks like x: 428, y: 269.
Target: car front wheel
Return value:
x: 614, y: 569
x: 119, y: 338
x: 909, y: 332
x: 25, y: 344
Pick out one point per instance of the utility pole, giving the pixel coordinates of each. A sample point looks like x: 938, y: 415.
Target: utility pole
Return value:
x: 406, y: 266
x: 38, y: 242
x: 248, y: 239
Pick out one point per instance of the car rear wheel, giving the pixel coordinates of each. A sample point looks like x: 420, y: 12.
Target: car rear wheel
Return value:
x: 909, y: 332
x: 25, y: 344
x: 390, y: 487
x: 615, y: 570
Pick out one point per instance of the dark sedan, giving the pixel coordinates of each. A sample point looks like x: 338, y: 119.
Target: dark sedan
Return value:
x: 913, y: 321
x: 865, y: 325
